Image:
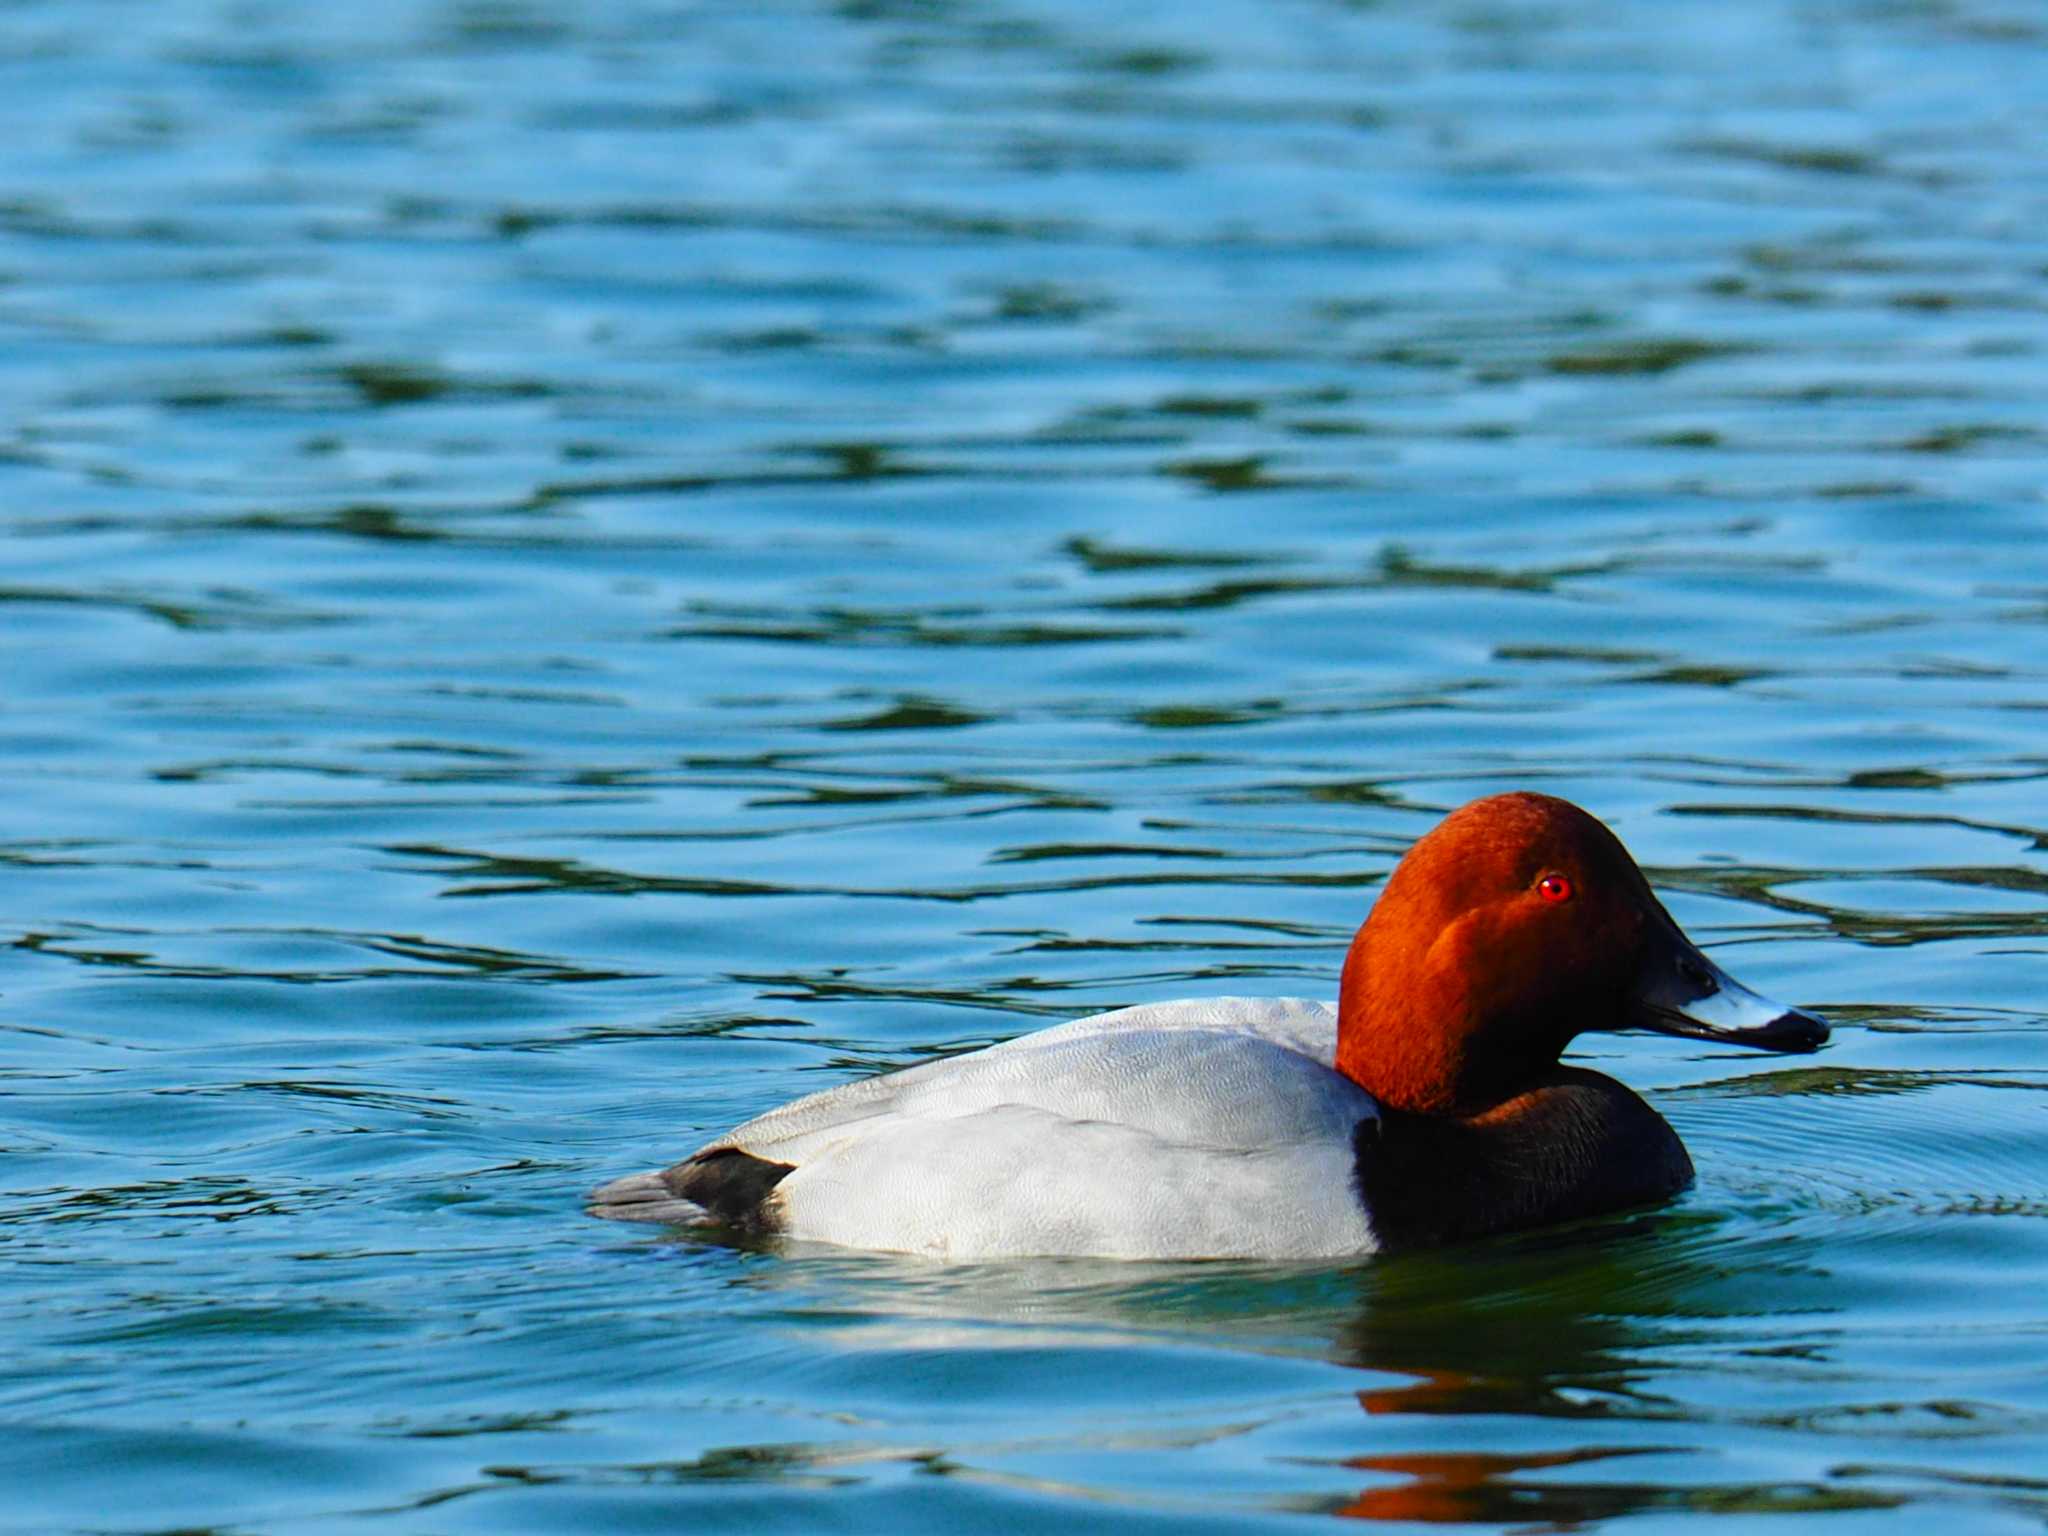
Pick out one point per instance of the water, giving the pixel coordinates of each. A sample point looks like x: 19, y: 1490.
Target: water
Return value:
x: 574, y: 573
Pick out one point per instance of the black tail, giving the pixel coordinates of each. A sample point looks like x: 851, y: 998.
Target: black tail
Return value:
x: 732, y: 1185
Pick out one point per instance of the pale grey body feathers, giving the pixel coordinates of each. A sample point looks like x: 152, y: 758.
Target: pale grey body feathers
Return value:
x: 1210, y: 1129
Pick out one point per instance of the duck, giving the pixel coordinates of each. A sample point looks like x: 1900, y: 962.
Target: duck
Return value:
x: 1428, y: 1106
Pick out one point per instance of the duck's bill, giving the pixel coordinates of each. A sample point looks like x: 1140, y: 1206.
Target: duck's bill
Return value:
x: 1682, y: 992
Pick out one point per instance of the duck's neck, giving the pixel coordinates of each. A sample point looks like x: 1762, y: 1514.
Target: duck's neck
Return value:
x: 1576, y: 1144
x: 1427, y: 1032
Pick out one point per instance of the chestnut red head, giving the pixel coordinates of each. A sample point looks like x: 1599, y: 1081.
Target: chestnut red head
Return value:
x: 1517, y: 923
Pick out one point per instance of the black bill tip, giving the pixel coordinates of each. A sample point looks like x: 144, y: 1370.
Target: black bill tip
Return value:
x: 1793, y: 1030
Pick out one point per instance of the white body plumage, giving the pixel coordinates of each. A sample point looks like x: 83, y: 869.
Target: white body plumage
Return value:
x: 1215, y: 1128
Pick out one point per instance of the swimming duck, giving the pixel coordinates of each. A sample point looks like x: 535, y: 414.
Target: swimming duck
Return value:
x: 1428, y: 1106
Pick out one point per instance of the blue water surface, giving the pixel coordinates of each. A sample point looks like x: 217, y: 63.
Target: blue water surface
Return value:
x: 573, y: 573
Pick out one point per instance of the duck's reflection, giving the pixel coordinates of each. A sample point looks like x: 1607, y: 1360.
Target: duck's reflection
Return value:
x: 1553, y: 1325
x: 1483, y: 1488
x: 1470, y: 1487
x: 1510, y: 1338
x: 1506, y: 1331
x: 1506, y: 1382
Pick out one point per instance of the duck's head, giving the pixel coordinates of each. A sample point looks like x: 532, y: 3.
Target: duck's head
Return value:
x: 1516, y: 924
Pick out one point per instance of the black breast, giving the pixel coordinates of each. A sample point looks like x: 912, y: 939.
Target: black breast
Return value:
x: 1577, y: 1145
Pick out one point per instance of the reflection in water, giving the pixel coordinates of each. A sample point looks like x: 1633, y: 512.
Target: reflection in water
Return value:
x: 1471, y: 1489
x: 1553, y: 1324
x: 1557, y: 1328
x: 1549, y: 1356
x: 1449, y: 1488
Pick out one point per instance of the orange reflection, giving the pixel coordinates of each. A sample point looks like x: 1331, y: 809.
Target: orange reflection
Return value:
x: 1449, y: 1488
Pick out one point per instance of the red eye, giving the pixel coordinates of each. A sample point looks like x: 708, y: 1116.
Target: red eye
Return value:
x: 1554, y: 888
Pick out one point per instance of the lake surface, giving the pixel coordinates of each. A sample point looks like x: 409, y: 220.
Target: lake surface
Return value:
x: 571, y: 574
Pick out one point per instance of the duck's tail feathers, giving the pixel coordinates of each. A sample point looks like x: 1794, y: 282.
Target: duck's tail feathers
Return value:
x: 722, y: 1185
x: 643, y: 1197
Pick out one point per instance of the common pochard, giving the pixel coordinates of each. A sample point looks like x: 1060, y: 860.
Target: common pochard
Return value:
x: 1428, y: 1106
